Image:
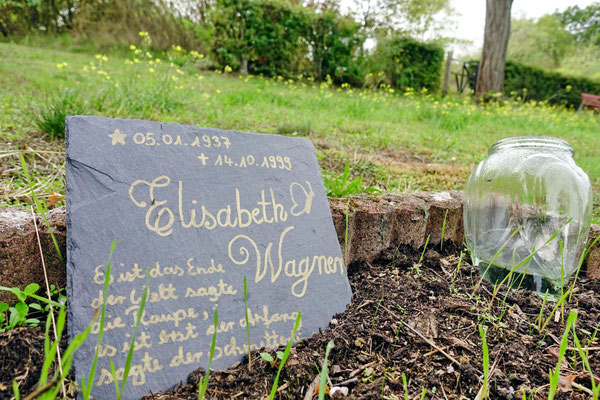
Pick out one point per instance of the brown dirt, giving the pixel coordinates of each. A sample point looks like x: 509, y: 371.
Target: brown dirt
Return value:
x: 420, y: 321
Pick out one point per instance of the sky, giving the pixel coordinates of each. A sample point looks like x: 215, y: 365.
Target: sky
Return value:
x: 471, y: 21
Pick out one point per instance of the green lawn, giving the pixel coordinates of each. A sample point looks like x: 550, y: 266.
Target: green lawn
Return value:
x: 396, y: 141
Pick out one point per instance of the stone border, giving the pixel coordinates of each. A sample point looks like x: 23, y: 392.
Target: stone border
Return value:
x: 369, y: 228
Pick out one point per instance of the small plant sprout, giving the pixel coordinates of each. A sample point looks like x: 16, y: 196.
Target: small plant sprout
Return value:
x: 41, y: 209
x: 484, y: 391
x: 375, y: 315
x: 457, y: 270
x: 555, y: 375
x: 286, y: 353
x: 324, y: 371
x: 443, y: 230
x: 247, y: 324
x: 419, y: 263
x: 346, y: 233
x: 580, y: 264
x: 202, y: 386
x: 127, y: 368
x: 87, y: 386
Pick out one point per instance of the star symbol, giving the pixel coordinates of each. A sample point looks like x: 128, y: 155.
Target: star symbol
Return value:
x: 117, y: 137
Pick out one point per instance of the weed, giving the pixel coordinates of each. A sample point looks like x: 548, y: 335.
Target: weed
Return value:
x: 375, y: 315
x: 457, y: 270
x: 48, y: 388
x: 129, y: 358
x: 49, y: 116
x: 286, y: 353
x: 586, y: 363
x: 405, y: 384
x: 17, y: 314
x: 555, y: 376
x: 443, y: 230
x: 323, y: 381
x: 418, y: 265
x: 247, y: 324
x: 204, y: 384
x: 346, y: 233
x: 39, y: 207
x: 343, y: 185
x: 486, y: 364
x: 86, y: 387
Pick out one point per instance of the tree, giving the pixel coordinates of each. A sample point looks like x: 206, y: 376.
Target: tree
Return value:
x: 415, y: 18
x: 542, y: 43
x: 584, y: 23
x: 490, y: 77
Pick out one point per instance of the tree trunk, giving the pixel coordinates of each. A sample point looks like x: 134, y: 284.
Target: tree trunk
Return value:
x: 490, y: 77
x: 244, y: 66
x: 447, y: 73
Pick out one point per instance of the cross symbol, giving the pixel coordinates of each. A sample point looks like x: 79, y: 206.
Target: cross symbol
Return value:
x: 203, y: 158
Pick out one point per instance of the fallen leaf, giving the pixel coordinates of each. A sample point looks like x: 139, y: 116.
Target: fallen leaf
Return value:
x: 318, y: 387
x: 53, y: 198
x: 554, y: 351
x: 565, y: 383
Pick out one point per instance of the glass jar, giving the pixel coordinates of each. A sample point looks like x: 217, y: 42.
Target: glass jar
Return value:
x: 527, y: 213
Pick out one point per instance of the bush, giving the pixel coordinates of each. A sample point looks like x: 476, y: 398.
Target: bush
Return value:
x: 334, y: 43
x: 261, y: 37
x: 406, y: 63
x: 536, y: 84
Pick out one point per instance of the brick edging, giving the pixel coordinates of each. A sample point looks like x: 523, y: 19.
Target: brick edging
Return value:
x: 368, y: 228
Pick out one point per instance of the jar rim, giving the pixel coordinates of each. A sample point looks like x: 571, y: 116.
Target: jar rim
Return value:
x: 537, y: 142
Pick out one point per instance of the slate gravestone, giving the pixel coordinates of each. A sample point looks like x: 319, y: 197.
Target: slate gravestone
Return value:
x: 199, y: 209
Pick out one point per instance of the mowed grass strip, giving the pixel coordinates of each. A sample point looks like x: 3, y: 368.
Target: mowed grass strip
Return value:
x: 398, y: 141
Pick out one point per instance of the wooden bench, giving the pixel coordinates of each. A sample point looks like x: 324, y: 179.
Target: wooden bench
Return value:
x: 590, y: 101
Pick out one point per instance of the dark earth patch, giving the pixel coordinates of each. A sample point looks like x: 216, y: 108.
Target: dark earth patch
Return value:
x: 381, y: 335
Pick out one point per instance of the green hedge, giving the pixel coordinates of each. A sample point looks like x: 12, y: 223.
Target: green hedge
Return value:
x: 405, y: 63
x: 280, y: 38
x: 546, y: 86
x: 266, y: 33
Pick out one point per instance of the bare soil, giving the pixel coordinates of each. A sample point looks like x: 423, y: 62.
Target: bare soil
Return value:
x: 405, y: 319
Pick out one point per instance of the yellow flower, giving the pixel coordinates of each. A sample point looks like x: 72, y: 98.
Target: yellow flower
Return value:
x: 143, y: 33
x: 151, y: 70
x: 132, y: 47
x: 228, y: 69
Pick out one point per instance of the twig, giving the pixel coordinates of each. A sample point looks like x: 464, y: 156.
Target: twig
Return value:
x: 39, y: 391
x: 361, y: 369
x: 37, y: 234
x: 348, y: 382
x: 311, y: 388
x: 582, y: 388
x: 432, y: 344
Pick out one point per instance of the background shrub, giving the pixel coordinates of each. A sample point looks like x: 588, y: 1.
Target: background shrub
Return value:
x: 260, y: 37
x: 404, y: 62
x: 335, y: 42
x: 536, y: 84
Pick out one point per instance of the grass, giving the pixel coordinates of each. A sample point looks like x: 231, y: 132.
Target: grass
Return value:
x: 203, y: 385
x: 284, y: 357
x: 365, y: 140
x: 393, y: 141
